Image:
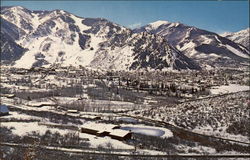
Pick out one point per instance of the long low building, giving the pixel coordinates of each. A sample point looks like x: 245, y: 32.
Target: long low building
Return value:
x: 120, y: 134
x: 102, y: 130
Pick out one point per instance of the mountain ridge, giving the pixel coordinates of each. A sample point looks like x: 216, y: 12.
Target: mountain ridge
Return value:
x: 241, y: 37
x: 59, y: 37
x: 201, y: 45
x: 43, y: 38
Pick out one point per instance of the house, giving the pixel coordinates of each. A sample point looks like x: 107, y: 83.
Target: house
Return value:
x: 4, y: 110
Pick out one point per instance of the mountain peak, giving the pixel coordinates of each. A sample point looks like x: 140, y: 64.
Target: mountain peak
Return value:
x: 245, y: 31
x: 17, y: 7
x: 156, y: 24
x: 59, y: 11
x: 241, y: 37
x: 238, y: 32
x: 12, y: 8
x: 225, y: 34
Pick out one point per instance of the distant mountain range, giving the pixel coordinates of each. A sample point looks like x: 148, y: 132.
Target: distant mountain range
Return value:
x: 207, y: 48
x: 45, y: 38
x: 241, y: 37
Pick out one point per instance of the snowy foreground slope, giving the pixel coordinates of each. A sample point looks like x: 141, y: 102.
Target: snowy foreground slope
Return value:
x: 45, y: 38
x: 221, y: 116
x: 201, y: 45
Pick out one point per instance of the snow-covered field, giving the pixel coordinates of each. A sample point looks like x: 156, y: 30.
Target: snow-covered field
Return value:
x: 222, y: 116
x: 231, y: 88
x: 148, y: 130
x: 19, y: 116
x: 20, y: 127
x: 24, y: 128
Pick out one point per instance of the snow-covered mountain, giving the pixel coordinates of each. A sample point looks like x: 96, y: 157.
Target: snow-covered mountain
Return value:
x: 205, y: 47
x: 241, y: 37
x: 58, y: 37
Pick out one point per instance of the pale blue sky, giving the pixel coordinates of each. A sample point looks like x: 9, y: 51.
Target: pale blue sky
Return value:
x: 216, y: 16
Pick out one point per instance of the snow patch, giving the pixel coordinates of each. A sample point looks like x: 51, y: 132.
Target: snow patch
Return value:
x: 23, y: 128
x: 235, y: 51
x: 78, y: 22
x: 148, y: 130
x: 231, y: 88
x: 155, y: 25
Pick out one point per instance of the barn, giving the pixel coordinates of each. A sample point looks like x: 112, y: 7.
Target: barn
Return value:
x: 4, y: 110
